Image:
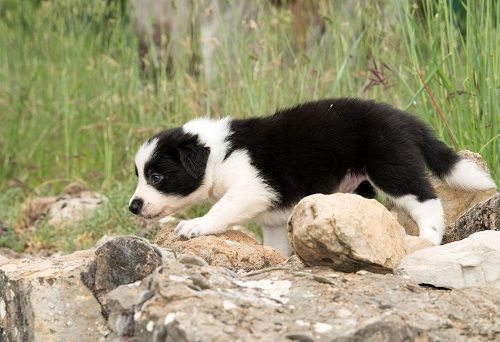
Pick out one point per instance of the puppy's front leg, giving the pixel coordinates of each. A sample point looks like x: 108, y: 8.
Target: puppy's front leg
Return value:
x: 237, y: 206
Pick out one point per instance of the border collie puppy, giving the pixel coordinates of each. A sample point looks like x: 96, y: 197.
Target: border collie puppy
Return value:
x: 258, y: 169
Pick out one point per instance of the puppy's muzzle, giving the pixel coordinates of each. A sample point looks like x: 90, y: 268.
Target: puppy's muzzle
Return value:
x: 136, y: 206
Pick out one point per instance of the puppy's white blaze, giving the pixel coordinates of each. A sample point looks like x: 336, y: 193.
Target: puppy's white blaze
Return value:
x: 428, y: 215
x: 467, y: 175
x: 142, y: 156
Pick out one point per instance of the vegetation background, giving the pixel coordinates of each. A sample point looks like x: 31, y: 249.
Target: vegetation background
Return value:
x: 75, y: 104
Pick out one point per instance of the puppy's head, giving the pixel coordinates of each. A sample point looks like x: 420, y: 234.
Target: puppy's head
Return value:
x: 170, y: 169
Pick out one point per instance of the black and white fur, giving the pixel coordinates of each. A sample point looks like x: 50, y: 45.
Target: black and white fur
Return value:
x: 258, y: 169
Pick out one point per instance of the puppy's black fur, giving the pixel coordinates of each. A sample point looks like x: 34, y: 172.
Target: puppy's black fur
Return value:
x: 309, y: 148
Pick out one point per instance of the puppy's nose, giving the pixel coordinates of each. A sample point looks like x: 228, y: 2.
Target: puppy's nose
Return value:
x: 136, y: 206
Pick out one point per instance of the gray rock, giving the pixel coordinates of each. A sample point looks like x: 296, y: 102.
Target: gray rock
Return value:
x: 117, y: 261
x: 70, y: 207
x: 483, y: 216
x: 308, y: 304
x: 44, y: 300
x: 474, y: 261
x: 121, y: 260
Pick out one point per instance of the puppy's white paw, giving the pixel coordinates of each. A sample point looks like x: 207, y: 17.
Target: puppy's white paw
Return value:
x: 193, y: 228
x: 433, y: 236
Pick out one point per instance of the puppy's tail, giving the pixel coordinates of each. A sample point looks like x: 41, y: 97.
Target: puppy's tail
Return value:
x: 455, y: 171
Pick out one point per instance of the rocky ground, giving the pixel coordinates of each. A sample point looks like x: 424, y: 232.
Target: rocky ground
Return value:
x: 356, y: 276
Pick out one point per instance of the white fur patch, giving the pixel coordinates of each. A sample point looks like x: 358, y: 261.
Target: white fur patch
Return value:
x: 212, y: 133
x: 428, y: 215
x: 274, y: 225
x: 467, y: 175
x: 242, y: 196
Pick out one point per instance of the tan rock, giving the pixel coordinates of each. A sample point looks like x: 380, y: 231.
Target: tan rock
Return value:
x: 455, y: 201
x: 346, y: 232
x: 232, y: 249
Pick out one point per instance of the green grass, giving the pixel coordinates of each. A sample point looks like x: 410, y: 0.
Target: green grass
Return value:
x: 73, y: 104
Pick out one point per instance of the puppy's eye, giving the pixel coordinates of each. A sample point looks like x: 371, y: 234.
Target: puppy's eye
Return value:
x: 155, y: 178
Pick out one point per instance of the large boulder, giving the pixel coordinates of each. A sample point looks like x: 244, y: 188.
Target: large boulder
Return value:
x: 346, y: 232
x: 232, y: 249
x: 474, y: 261
x: 44, y: 300
x: 455, y: 201
x: 192, y: 301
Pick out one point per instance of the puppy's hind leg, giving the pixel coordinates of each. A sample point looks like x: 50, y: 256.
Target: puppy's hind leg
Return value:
x: 428, y: 214
x: 405, y: 184
x: 277, y: 237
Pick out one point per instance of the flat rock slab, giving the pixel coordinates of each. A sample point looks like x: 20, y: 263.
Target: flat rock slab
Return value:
x: 194, y: 302
x: 474, y: 261
x: 44, y: 300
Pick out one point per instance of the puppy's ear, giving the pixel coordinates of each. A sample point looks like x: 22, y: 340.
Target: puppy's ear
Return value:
x: 193, y: 158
